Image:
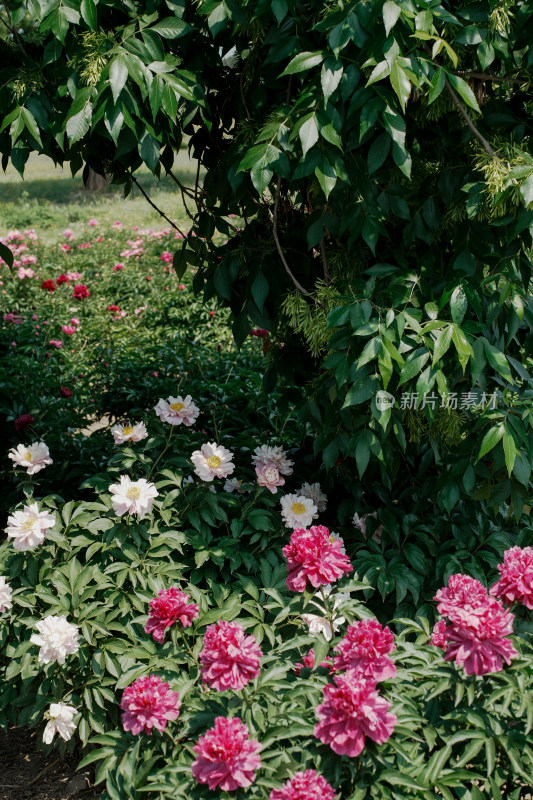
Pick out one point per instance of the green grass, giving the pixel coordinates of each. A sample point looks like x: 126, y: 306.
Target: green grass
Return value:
x: 50, y: 199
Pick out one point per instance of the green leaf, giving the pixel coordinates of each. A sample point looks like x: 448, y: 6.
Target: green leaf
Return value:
x: 442, y: 343
x: 118, y: 75
x: 31, y: 125
x: 378, y: 152
x: 279, y: 9
x: 491, y: 439
x: 149, y: 149
x: 498, y: 361
x: 308, y: 133
x: 462, y: 345
x: 438, y: 82
x: 326, y: 176
x: 330, y: 77
x: 458, y: 304
x: 391, y: 14
x: 6, y: 255
x: 260, y: 290
x: 303, y: 62
x: 509, y: 449
x: 88, y: 13
x: 362, y: 390
x: 526, y: 191
x: 380, y: 71
x: 400, y: 83
x: 464, y: 91
x: 170, y: 27
x: 78, y: 125
x: 413, y: 366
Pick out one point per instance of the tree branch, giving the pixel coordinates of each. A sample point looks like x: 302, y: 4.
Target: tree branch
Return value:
x: 274, y: 216
x: 464, y: 113
x: 12, y: 29
x: 327, y: 276
x: 161, y: 213
x: 484, y: 76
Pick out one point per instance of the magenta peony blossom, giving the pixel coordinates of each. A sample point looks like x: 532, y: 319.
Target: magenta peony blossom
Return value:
x: 516, y: 577
x: 309, y: 662
x: 80, y: 291
x: 148, y: 703
x: 438, y: 635
x: 168, y: 607
x: 229, y: 658
x: 225, y: 756
x: 364, y: 649
x: 352, y: 710
x: 308, y: 785
x: 462, y: 591
x: 312, y: 556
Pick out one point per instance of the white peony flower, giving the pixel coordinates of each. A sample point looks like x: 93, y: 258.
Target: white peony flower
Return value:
x: 360, y: 522
x: 319, y: 623
x: 129, y: 433
x: 60, y: 720
x: 314, y: 493
x: 266, y: 456
x: 33, y: 457
x: 57, y: 638
x: 177, y: 410
x: 234, y: 485
x: 28, y: 527
x: 212, y: 461
x: 5, y: 595
x: 298, y: 511
x: 132, y: 497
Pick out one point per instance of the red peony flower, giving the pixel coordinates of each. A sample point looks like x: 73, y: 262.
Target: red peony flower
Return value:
x: 229, y: 658
x: 352, y: 710
x: 80, y: 291
x: 49, y: 285
x: 64, y: 392
x: 148, y: 703
x: 168, y: 607
x: 113, y: 308
x: 62, y: 279
x: 308, y: 785
x: 148, y: 278
x: 212, y: 313
x: 364, y: 649
x: 22, y: 422
x: 259, y: 332
x: 516, y: 577
x: 225, y: 756
x: 312, y: 556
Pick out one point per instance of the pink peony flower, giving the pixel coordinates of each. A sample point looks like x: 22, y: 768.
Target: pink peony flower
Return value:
x: 462, y: 591
x: 309, y: 662
x: 364, y: 650
x: 75, y: 321
x: 68, y: 329
x: 56, y: 343
x: 73, y: 276
x: 168, y: 607
x: 269, y: 477
x: 229, y: 658
x: 84, y: 246
x: 25, y: 272
x: 166, y: 257
x: 352, y: 710
x: 225, y: 756
x: 312, y: 556
x: 148, y: 703
x: 516, y: 577
x: 118, y: 267
x: 438, y: 635
x: 65, y: 247
x: 117, y: 225
x: 308, y: 785
x: 68, y: 233
x: 80, y: 291
x: 92, y: 223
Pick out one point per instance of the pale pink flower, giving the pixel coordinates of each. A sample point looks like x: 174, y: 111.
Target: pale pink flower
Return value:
x: 314, y: 493
x: 129, y: 433
x: 74, y: 276
x: 33, y: 457
x: 352, y: 710
x: 265, y: 455
x: 269, y: 477
x: 68, y: 233
x: 365, y: 650
x: 234, y: 485
x: 149, y: 703
x: 319, y: 623
x: 56, y: 343
x: 311, y: 556
x: 57, y: 639
x: 516, y: 577
x: 5, y: 595
x: 308, y: 785
x: 65, y: 247
x: 25, y: 272
x: 132, y: 497
x: 229, y: 658
x: 170, y: 606
x: 27, y: 527
x: 92, y: 223
x: 177, y: 410
x: 297, y: 511
x: 212, y: 461
x: 117, y: 225
x: 226, y: 757
x: 60, y: 720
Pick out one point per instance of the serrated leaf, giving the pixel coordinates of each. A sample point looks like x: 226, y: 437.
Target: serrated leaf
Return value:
x: 170, y: 27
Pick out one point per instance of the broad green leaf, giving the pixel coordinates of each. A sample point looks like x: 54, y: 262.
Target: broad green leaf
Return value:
x: 438, y: 83
x: 498, y: 361
x: 400, y: 83
x: 442, y: 343
x: 509, y: 449
x: 462, y: 345
x: 458, y: 304
x: 378, y: 152
x: 78, y: 125
x: 391, y: 14
x: 308, y: 133
x: 491, y: 439
x: 330, y: 77
x: 88, y: 12
x: 413, y: 366
x: 464, y: 91
x: 303, y: 61
x: 170, y: 27
x: 6, y: 255
x: 118, y: 75
x: 326, y: 176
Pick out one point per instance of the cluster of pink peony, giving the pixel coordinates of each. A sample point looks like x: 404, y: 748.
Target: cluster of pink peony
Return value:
x: 365, y: 650
x: 229, y: 658
x: 312, y: 556
x: 170, y: 606
x: 226, y: 756
x: 516, y: 577
x: 308, y: 785
x: 309, y: 663
x: 148, y: 703
x: 478, y: 634
x: 353, y: 709
x: 271, y: 463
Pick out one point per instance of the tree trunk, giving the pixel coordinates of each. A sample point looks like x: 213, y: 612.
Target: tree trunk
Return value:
x: 96, y: 182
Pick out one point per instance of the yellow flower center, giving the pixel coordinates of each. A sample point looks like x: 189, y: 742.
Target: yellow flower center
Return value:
x: 133, y: 493
x: 298, y: 508
x: 213, y: 462
x: 127, y: 430
x: 27, y: 525
x: 177, y: 406
x: 27, y: 455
